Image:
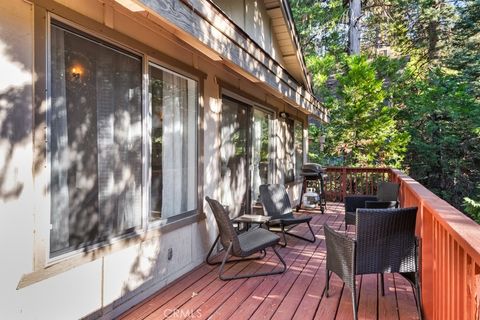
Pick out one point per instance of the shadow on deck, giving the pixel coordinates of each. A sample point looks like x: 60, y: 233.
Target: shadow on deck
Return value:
x: 299, y: 293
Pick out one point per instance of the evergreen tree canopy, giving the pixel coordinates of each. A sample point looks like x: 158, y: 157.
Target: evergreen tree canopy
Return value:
x: 411, y: 99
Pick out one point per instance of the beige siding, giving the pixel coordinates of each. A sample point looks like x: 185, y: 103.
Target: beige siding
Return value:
x: 69, y: 295
x: 16, y: 152
x: 234, y: 9
x: 251, y: 16
x: 257, y: 23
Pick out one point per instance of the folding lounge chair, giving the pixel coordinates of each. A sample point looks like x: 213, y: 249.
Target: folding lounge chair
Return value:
x: 242, y: 245
x: 276, y: 204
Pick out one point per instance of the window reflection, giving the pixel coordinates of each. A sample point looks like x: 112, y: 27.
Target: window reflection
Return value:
x: 173, y: 139
x: 95, y: 141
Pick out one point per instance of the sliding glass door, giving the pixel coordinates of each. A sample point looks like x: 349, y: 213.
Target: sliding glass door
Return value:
x: 262, y: 152
x: 234, y: 156
x: 246, y: 154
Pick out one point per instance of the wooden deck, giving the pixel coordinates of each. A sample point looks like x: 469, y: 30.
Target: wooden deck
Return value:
x: 299, y: 293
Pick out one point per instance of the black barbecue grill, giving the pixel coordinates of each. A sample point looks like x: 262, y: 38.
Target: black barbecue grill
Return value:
x: 314, y: 172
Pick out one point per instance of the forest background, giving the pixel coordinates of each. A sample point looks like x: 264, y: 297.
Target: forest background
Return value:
x: 401, y: 80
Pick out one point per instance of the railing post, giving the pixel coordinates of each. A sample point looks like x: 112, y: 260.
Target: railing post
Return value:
x: 427, y: 247
x: 344, y: 183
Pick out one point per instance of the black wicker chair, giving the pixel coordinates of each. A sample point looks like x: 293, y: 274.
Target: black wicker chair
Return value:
x: 242, y: 245
x: 387, y: 197
x: 385, y: 243
x: 277, y: 205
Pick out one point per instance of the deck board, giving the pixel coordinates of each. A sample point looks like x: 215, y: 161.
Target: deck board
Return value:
x: 387, y: 305
x: 367, y: 306
x: 288, y: 308
x: 299, y: 293
x: 406, y: 300
x: 274, y: 300
x: 345, y: 308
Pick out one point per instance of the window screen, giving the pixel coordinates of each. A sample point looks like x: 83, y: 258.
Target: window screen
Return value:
x: 95, y: 145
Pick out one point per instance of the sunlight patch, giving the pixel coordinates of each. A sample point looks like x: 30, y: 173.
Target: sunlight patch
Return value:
x: 13, y: 73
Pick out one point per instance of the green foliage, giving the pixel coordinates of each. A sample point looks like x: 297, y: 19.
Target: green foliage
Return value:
x: 314, y: 153
x: 319, y: 25
x: 417, y: 108
x: 465, y: 58
x: 472, y: 208
x: 422, y: 29
x: 443, y: 120
x: 362, y: 131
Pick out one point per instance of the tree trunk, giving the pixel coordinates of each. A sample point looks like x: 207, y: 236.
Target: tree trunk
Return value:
x: 433, y: 31
x: 354, y: 27
x: 432, y: 40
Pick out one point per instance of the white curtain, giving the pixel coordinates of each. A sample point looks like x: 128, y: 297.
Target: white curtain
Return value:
x: 258, y: 117
x: 178, y: 148
x: 107, y: 157
x: 298, y: 135
x: 289, y: 151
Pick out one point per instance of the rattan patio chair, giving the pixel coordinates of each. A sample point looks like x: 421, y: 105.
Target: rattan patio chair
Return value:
x: 385, y: 243
x: 277, y: 205
x: 387, y: 197
x: 242, y: 245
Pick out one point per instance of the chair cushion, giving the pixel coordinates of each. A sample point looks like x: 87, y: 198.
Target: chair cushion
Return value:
x: 289, y: 219
x: 255, y: 240
x: 380, y: 204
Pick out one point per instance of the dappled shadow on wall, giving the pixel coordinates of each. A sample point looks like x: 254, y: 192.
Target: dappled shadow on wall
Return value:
x: 15, y: 119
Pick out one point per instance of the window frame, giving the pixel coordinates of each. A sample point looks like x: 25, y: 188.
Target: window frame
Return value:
x: 234, y: 94
x: 59, y: 22
x: 184, y: 216
x: 42, y: 239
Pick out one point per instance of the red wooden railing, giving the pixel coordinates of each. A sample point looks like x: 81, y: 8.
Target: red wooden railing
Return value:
x: 345, y: 181
x: 450, y: 241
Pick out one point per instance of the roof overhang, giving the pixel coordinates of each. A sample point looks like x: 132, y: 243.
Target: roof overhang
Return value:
x: 207, y: 29
x: 283, y: 26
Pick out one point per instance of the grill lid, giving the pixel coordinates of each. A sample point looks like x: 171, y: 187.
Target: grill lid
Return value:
x: 312, y: 169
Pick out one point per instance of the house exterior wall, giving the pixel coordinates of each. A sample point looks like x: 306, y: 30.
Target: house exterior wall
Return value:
x: 16, y: 151
x: 251, y: 16
x: 234, y: 9
x: 102, y: 282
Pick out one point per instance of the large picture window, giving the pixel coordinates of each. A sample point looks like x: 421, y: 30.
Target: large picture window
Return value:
x: 173, y: 138
x: 95, y: 147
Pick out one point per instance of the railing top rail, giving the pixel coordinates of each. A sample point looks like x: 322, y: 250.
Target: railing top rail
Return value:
x: 358, y: 169
x: 464, y: 230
